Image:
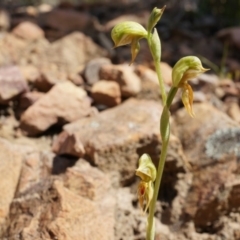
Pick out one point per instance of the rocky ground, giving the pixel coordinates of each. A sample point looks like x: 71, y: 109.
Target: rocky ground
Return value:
x: 75, y: 117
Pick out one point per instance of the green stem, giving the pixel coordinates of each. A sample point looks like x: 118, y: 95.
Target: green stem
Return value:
x: 161, y: 83
x: 171, y: 96
x: 154, y: 44
x: 165, y: 133
x: 150, y: 228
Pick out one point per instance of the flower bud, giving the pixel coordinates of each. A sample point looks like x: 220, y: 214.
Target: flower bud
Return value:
x: 185, y: 69
x: 154, y: 18
x: 155, y: 46
x: 128, y: 33
x: 146, y: 169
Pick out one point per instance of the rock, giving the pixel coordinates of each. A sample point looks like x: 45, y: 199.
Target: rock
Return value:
x: 29, y: 98
x: 8, y: 125
x: 233, y: 109
x: 31, y: 11
x: 128, y: 219
x: 114, y: 139
x: 149, y: 82
x: 4, y: 20
x: 76, y: 79
x: 44, y: 8
x: 211, y: 145
x: 124, y: 75
x: 28, y: 31
x: 10, y: 167
x: 205, y: 83
x: 228, y: 88
x: 91, y: 71
x: 195, y: 133
x: 74, y: 50
x: 30, y: 72
x: 166, y: 73
x: 63, y: 103
x: 49, y: 210
x: 18, y: 51
x: 47, y: 79
x: 37, y: 165
x: 12, y: 83
x: 87, y: 181
x: 106, y: 93
x: 66, y: 20
x: 232, y: 35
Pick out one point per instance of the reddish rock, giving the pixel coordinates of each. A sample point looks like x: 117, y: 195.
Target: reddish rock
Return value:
x: 107, y: 93
x: 44, y: 8
x: 12, y: 83
x: 63, y: 103
x: 91, y: 71
x: 130, y: 83
x: 74, y: 51
x: 211, y: 143
x: 10, y: 168
x: 49, y: 210
x: 28, y: 31
x: 37, y: 165
x: 87, y: 181
x: 19, y: 51
x: 114, y: 139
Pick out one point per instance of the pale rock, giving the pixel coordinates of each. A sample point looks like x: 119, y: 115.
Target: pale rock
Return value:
x: 28, y: 31
x: 130, y: 83
x: 10, y: 168
x: 12, y: 83
x: 31, y: 11
x: 44, y: 8
x: 63, y: 103
x: 19, y: 51
x: 107, y: 93
x: 30, y: 72
x: 4, y: 20
x: 149, y: 81
x: 166, y: 71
